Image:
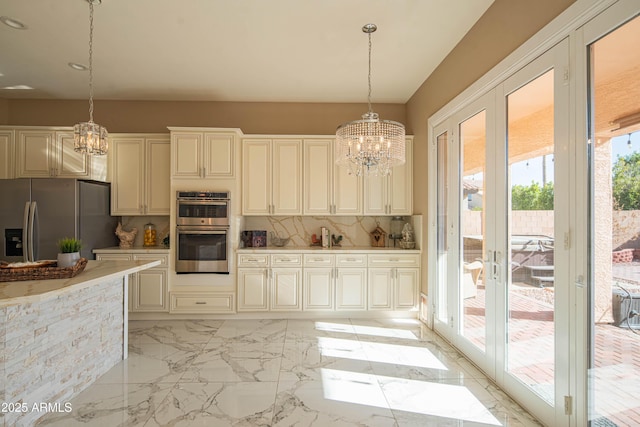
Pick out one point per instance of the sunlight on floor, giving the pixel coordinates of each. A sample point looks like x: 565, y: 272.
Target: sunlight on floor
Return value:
x: 422, y: 397
x: 378, y: 352
x: 365, y: 330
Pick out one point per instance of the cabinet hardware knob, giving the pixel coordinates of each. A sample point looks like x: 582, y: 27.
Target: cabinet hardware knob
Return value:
x: 200, y: 302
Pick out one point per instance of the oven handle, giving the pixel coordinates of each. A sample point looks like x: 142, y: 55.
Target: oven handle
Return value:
x: 200, y: 230
x: 203, y: 202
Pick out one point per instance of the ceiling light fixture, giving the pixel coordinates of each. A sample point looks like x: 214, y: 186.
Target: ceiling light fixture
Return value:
x: 18, y: 87
x: 89, y: 137
x: 370, y: 146
x: 13, y: 23
x: 78, y: 67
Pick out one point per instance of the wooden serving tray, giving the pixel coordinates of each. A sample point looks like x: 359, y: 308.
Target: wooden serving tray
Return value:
x: 48, y: 271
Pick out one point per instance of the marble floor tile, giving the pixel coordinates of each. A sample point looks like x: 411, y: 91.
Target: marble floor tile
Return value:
x: 151, y: 363
x: 111, y: 405
x: 217, y: 404
x: 329, y: 372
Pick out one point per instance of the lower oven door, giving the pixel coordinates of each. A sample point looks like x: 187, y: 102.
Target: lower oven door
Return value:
x: 202, y: 250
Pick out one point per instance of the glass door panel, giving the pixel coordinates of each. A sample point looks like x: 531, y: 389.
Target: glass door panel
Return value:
x: 614, y: 222
x: 472, y: 285
x: 442, y: 244
x: 531, y: 238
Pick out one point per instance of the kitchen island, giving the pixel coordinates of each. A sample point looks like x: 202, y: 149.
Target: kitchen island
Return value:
x: 58, y: 336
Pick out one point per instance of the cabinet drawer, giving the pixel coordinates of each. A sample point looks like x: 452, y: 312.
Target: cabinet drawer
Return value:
x: 202, y: 303
x: 356, y: 260
x: 163, y: 258
x: 393, y: 260
x: 253, y: 260
x: 319, y: 260
x: 286, y: 260
x: 113, y: 257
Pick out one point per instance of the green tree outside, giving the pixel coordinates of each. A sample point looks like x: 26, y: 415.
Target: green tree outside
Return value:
x: 626, y: 182
x: 532, y: 197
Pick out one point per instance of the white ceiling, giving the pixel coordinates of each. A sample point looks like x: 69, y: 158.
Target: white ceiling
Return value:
x: 230, y: 50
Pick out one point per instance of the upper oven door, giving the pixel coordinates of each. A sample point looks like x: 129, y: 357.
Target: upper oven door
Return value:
x: 202, y: 212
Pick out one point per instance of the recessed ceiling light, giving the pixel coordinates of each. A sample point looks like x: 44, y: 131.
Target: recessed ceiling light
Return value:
x: 78, y: 67
x: 18, y: 87
x: 13, y: 23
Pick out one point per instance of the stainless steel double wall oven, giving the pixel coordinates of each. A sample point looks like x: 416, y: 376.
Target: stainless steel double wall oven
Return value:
x: 202, y: 232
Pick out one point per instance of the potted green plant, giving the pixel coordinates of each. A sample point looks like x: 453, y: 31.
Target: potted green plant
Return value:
x: 69, y: 254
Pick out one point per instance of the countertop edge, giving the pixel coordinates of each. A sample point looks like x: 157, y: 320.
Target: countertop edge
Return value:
x: 315, y: 250
x: 29, y: 291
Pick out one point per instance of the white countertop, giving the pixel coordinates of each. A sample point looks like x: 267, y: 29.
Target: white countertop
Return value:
x: 334, y: 249
x: 14, y: 293
x: 135, y: 249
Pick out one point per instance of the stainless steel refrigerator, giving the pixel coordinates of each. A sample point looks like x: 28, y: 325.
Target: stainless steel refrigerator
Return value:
x: 35, y: 213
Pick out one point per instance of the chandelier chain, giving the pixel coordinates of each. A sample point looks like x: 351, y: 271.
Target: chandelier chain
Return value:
x: 90, y: 62
x: 369, y: 75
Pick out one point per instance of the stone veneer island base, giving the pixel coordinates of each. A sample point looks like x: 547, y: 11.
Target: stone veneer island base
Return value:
x: 59, y: 336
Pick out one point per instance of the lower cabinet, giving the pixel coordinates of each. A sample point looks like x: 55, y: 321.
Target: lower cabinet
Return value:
x: 205, y: 303
x: 147, y: 288
x: 272, y: 282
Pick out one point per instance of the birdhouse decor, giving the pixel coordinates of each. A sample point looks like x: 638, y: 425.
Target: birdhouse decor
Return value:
x: 378, y: 236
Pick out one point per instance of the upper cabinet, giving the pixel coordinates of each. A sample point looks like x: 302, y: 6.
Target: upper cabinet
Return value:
x: 328, y: 189
x: 6, y: 154
x: 200, y: 153
x: 272, y: 176
x: 391, y: 195
x: 49, y: 153
x: 140, y: 174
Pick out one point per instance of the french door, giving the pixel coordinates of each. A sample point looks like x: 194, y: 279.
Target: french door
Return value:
x: 502, y: 233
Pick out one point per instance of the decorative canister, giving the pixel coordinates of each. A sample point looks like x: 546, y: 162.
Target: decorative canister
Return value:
x: 150, y: 234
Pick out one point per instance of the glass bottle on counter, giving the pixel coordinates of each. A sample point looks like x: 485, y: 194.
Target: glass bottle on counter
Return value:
x: 396, y: 229
x: 150, y: 234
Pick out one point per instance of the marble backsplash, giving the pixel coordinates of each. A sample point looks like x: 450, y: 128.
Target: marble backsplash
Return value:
x: 354, y: 229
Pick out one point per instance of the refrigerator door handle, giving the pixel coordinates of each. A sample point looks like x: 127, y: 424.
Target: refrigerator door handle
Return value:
x: 32, y: 219
x: 25, y: 232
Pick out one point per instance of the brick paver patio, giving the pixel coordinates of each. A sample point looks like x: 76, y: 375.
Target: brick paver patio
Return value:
x: 615, y: 373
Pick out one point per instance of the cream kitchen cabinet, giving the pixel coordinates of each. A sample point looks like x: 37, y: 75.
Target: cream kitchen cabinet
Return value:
x: 393, y: 194
x: 7, y: 147
x: 319, y: 282
x: 328, y: 188
x: 351, y: 282
x: 140, y: 174
x: 147, y: 288
x: 270, y: 282
x: 203, y: 153
x: 48, y: 153
x: 393, y: 282
x: 271, y: 176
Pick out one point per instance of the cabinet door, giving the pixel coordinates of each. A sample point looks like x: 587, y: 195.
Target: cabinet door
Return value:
x: 150, y: 290
x: 256, y: 177
x: 128, y: 165
x: 186, y: 155
x: 380, y: 288
x: 158, y: 191
x: 70, y: 164
x: 375, y: 195
x: 318, y: 289
x: 406, y: 288
x: 6, y: 154
x: 286, y: 287
x: 351, y: 289
x: 347, y: 192
x: 252, y: 289
x: 318, y: 177
x: 35, y: 154
x: 400, y: 195
x: 287, y: 177
x: 219, y: 155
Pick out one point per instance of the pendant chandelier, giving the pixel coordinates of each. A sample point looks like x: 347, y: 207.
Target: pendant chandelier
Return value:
x: 370, y: 146
x: 89, y: 137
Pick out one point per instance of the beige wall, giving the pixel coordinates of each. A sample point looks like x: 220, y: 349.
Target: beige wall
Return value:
x: 155, y: 116
x: 4, y: 111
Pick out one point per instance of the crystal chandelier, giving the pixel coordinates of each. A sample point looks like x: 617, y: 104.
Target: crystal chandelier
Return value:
x: 370, y: 146
x: 89, y: 137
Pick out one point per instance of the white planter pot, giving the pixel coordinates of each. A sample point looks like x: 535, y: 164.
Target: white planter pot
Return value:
x: 68, y: 259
